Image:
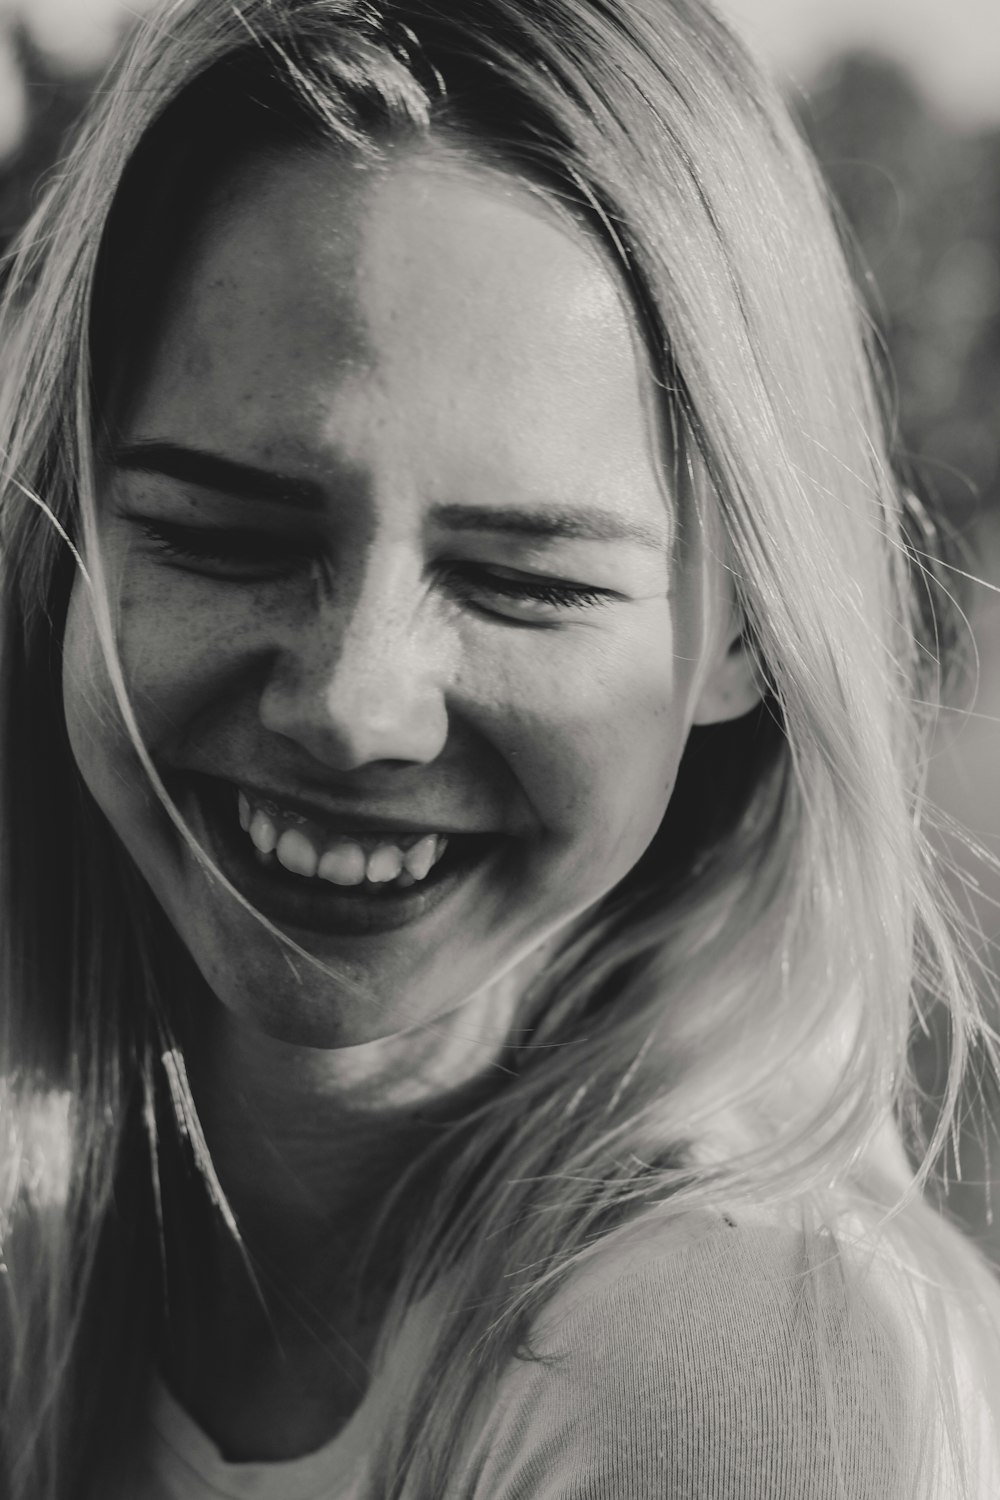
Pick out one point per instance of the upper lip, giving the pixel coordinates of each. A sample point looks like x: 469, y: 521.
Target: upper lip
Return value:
x: 359, y: 819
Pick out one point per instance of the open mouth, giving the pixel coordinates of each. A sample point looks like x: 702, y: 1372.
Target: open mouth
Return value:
x: 351, y: 882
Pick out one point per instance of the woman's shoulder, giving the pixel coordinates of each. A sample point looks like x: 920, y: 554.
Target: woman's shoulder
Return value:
x: 714, y: 1355
x: 738, y: 1277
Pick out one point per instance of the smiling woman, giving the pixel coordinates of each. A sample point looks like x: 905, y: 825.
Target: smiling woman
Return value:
x: 461, y: 647
x: 416, y: 593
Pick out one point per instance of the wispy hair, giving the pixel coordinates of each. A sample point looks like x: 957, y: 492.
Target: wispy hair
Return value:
x: 733, y: 1025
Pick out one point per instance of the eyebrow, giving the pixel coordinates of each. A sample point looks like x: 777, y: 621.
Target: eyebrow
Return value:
x: 210, y: 471
x: 226, y: 476
x: 575, y: 524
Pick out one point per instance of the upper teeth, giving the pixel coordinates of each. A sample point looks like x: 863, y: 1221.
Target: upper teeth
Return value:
x: 308, y: 851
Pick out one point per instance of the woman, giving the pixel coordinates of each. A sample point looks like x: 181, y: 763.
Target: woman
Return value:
x: 466, y: 895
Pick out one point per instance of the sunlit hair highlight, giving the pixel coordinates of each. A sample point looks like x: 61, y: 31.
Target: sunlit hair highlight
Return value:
x: 732, y: 1027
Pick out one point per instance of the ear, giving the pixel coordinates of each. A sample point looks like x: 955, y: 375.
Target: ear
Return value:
x: 732, y: 686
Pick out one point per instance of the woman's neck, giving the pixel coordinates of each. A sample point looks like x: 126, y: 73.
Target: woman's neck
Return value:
x: 307, y: 1147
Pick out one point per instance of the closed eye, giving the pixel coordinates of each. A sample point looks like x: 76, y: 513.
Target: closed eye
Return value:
x: 229, y: 552
x: 526, y: 595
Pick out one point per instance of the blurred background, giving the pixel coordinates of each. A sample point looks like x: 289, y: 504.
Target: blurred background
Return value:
x: 901, y: 102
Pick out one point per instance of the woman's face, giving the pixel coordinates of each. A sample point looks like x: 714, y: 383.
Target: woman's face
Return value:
x: 387, y: 539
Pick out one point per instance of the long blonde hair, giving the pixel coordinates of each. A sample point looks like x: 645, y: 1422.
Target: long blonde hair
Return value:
x: 733, y: 1025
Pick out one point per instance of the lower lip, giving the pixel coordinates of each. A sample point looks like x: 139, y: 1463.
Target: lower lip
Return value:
x: 317, y: 906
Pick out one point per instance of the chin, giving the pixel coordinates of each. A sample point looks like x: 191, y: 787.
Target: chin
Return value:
x: 324, y: 993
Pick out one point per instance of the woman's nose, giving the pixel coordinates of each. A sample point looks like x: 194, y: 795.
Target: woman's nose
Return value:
x: 359, y: 685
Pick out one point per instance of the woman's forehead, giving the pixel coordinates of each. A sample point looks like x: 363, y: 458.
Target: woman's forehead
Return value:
x: 430, y: 304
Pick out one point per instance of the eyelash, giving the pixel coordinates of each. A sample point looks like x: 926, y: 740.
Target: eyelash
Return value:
x: 197, y: 544
x: 206, y: 544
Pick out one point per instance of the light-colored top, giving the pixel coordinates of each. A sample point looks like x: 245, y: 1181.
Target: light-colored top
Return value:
x: 708, y: 1362
x: 180, y: 1463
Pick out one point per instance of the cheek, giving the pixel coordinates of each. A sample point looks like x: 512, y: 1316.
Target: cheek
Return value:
x: 178, y: 643
x: 166, y: 661
x: 97, y: 732
x: 93, y: 723
x: 594, y: 725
